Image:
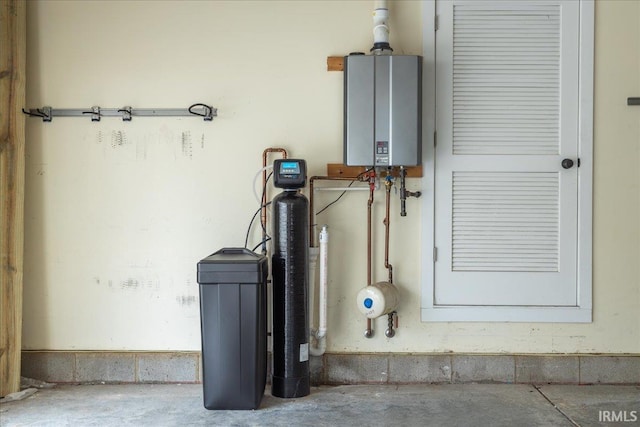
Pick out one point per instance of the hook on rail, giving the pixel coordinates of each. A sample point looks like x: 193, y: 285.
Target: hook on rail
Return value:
x: 95, y: 114
x: 208, y: 111
x: 44, y: 114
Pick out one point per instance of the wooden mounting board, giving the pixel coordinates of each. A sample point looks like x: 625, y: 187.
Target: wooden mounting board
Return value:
x: 340, y: 170
x: 335, y: 63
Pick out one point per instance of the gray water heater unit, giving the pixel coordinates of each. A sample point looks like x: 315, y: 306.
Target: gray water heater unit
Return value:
x: 382, y: 110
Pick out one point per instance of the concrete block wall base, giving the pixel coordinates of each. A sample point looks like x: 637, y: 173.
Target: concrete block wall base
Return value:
x: 343, y: 368
x: 111, y: 367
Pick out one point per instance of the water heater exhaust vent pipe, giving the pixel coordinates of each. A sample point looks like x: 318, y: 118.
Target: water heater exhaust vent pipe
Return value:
x: 381, y: 29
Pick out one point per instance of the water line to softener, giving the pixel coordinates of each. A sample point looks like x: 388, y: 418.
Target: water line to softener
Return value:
x: 263, y: 211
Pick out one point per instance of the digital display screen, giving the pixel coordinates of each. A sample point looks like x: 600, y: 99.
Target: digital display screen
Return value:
x: 289, y: 174
x: 290, y: 168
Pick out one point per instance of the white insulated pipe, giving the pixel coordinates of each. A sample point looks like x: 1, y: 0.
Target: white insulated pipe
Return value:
x: 342, y: 188
x: 321, y: 333
x: 381, y: 23
x: 313, y: 266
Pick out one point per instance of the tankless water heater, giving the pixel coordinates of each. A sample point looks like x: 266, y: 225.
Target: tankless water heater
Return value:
x: 382, y: 110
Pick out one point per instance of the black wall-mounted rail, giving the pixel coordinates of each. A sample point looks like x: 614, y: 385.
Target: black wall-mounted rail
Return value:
x: 633, y: 100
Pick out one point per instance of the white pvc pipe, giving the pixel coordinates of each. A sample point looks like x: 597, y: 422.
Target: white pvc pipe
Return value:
x: 320, y: 349
x: 322, y: 313
x: 341, y: 189
x: 313, y: 265
x: 381, y: 22
x: 321, y: 333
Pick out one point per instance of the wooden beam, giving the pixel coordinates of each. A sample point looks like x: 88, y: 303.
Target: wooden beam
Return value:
x: 340, y: 170
x: 335, y: 63
x: 12, y: 160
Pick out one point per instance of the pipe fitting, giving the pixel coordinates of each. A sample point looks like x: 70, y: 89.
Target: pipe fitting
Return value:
x: 390, y: 332
x: 388, y: 182
x: 404, y: 193
x: 320, y: 349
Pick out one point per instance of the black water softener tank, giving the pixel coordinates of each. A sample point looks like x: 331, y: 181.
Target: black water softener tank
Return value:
x: 290, y: 276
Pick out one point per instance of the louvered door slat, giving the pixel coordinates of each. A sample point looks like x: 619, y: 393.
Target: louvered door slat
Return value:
x: 515, y: 53
x: 474, y: 228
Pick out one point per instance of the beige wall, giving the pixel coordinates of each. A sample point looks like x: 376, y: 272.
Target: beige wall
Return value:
x: 118, y: 214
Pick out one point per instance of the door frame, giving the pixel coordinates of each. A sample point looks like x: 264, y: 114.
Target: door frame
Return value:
x: 582, y: 313
x: 12, y: 164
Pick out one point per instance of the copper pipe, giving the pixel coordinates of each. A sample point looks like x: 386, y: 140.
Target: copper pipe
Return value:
x: 387, y: 223
x: 369, y: 232
x: 389, y: 333
x: 263, y: 213
x: 369, y: 331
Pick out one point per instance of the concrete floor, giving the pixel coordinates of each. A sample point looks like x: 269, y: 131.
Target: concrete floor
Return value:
x: 360, y: 405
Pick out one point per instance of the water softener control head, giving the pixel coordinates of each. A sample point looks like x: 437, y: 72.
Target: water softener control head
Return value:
x: 289, y: 174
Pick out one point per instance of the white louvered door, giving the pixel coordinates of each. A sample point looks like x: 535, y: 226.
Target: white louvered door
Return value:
x: 506, y: 117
